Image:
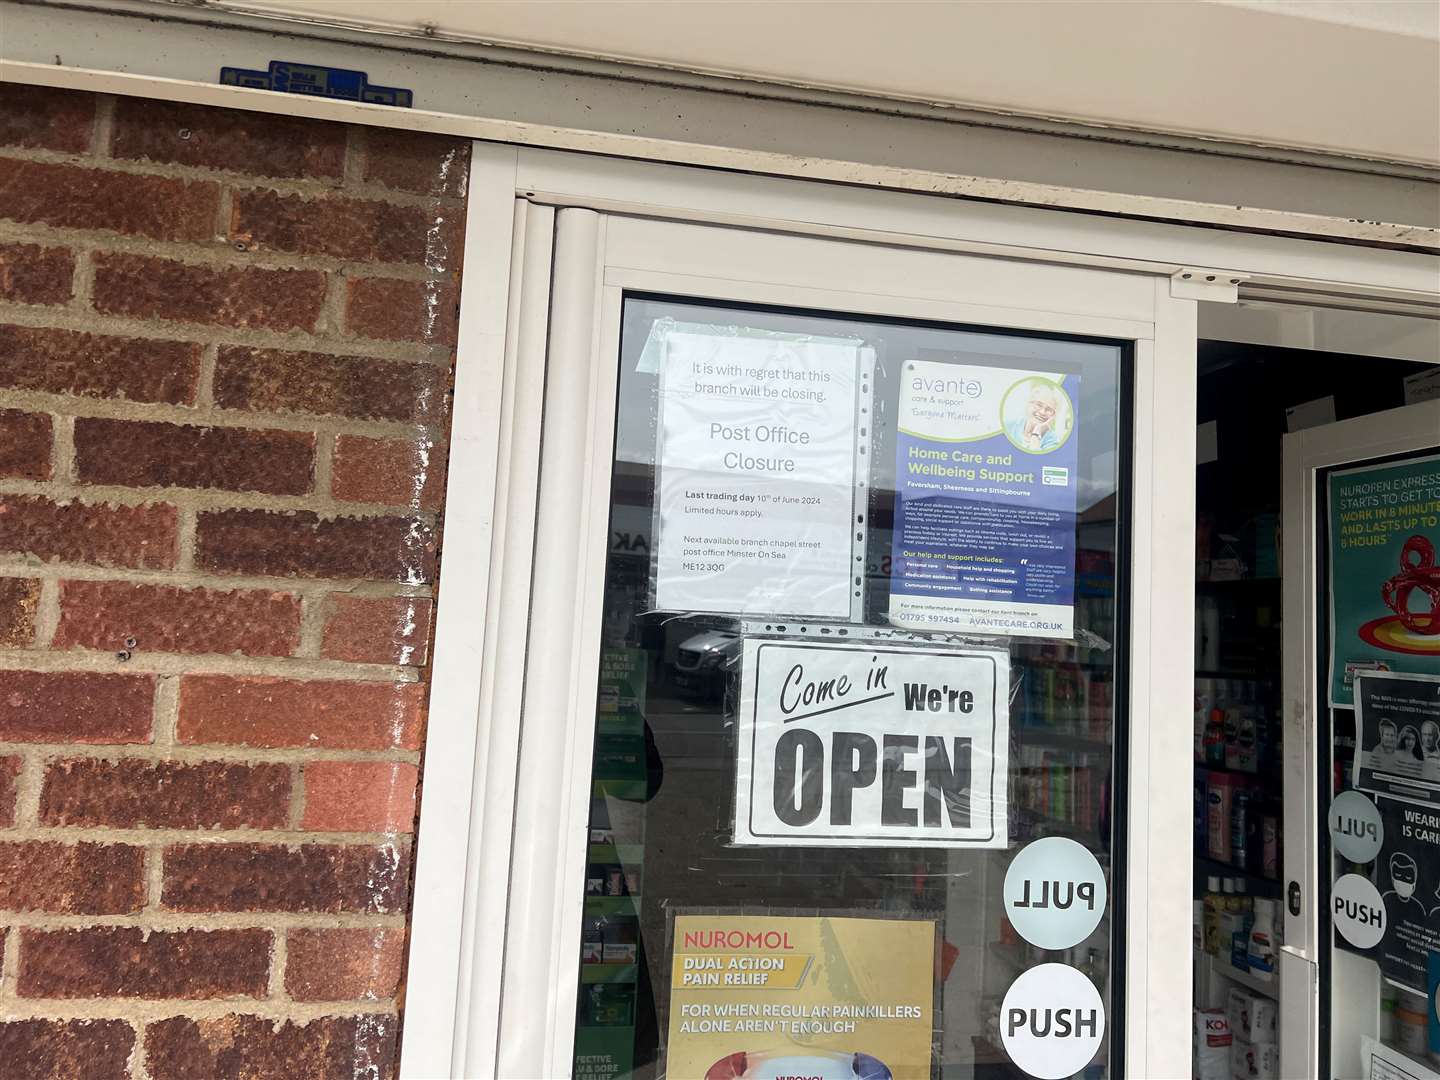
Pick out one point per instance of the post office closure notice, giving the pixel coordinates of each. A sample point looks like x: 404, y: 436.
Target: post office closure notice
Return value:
x: 871, y: 746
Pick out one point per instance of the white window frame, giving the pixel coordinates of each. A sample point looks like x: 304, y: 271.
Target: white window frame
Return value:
x: 461, y: 911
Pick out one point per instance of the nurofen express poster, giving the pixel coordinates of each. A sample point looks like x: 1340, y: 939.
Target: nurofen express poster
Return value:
x: 985, y: 500
x: 1384, y: 529
x: 756, y: 997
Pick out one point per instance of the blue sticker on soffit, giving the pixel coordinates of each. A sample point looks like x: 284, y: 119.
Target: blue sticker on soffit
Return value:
x: 288, y: 78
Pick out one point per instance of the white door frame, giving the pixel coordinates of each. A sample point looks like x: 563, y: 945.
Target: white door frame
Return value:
x: 457, y: 952
x: 1395, y: 431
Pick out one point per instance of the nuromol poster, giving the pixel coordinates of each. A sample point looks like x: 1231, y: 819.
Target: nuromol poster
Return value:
x: 1384, y: 530
x: 757, y: 997
x: 985, y: 491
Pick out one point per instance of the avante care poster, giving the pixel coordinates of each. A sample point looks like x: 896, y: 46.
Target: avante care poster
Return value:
x: 756, y: 997
x: 985, y: 497
x: 1384, y: 530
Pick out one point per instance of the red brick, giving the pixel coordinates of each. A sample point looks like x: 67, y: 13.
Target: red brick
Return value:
x: 362, y: 230
x: 149, y: 288
x: 378, y: 630
x: 344, y: 965
x: 360, y: 796
x: 136, y: 962
x: 75, y: 707
x: 273, y: 380
x: 396, y: 472
x: 31, y: 274
x: 76, y: 197
x: 133, y: 793
x: 392, y: 309
x: 258, y: 143
x: 71, y: 879
x: 166, y: 618
x: 329, y: 715
x: 152, y: 454
x: 303, y: 544
x: 410, y: 161
x: 270, y: 877
x: 24, y: 445
x: 66, y: 1049
x: 19, y: 598
x: 254, y: 1047
x: 44, y: 118
x: 9, y: 770
x: 95, y: 365
x: 135, y: 537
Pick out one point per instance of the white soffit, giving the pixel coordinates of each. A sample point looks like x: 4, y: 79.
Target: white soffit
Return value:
x: 1360, y: 79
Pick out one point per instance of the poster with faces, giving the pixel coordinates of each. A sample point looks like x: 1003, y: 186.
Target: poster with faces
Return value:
x: 1397, y: 724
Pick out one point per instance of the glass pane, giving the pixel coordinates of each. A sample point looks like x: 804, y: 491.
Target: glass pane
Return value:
x: 891, y: 935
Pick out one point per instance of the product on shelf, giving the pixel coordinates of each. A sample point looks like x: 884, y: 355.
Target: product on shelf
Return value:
x: 1221, y: 788
x: 1240, y: 827
x: 1262, y: 953
x: 1214, y: 740
x: 1251, y: 1016
x: 1270, y: 845
x: 1254, y: 1061
x: 1240, y: 926
x: 1410, y: 1025
x: 1214, y: 905
x: 1210, y: 1045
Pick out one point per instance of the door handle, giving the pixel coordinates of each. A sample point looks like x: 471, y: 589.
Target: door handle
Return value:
x: 1293, y: 898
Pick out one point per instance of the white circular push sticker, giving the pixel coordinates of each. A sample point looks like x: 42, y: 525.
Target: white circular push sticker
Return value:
x: 1356, y: 827
x: 1052, y: 1021
x: 1054, y: 893
x: 1359, y: 911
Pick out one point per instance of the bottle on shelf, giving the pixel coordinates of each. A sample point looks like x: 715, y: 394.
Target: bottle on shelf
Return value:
x: 1235, y: 927
x: 1240, y: 828
x: 1215, y: 738
x: 1261, y: 956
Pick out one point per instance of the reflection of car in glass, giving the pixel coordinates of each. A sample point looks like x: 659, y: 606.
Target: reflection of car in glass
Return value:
x: 704, y: 662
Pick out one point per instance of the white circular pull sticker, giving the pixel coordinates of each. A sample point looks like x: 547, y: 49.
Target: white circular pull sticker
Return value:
x: 1359, y: 911
x: 1052, y: 1021
x: 1356, y: 827
x: 1054, y: 893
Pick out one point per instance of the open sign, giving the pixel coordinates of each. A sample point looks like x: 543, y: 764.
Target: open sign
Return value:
x: 851, y: 745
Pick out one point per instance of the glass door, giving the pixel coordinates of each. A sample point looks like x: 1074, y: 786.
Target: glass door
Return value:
x: 1362, y: 959
x: 836, y: 693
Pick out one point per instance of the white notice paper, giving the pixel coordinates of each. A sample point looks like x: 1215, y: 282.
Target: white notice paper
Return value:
x: 871, y: 746
x: 756, y: 486
x: 1382, y: 1062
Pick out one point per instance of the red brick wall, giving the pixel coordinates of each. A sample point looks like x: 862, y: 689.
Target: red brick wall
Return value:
x: 226, y: 343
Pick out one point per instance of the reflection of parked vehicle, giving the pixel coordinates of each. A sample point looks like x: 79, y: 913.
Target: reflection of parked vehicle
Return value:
x: 704, y: 662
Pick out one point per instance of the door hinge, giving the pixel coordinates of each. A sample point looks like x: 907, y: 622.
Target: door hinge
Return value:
x: 1216, y: 286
